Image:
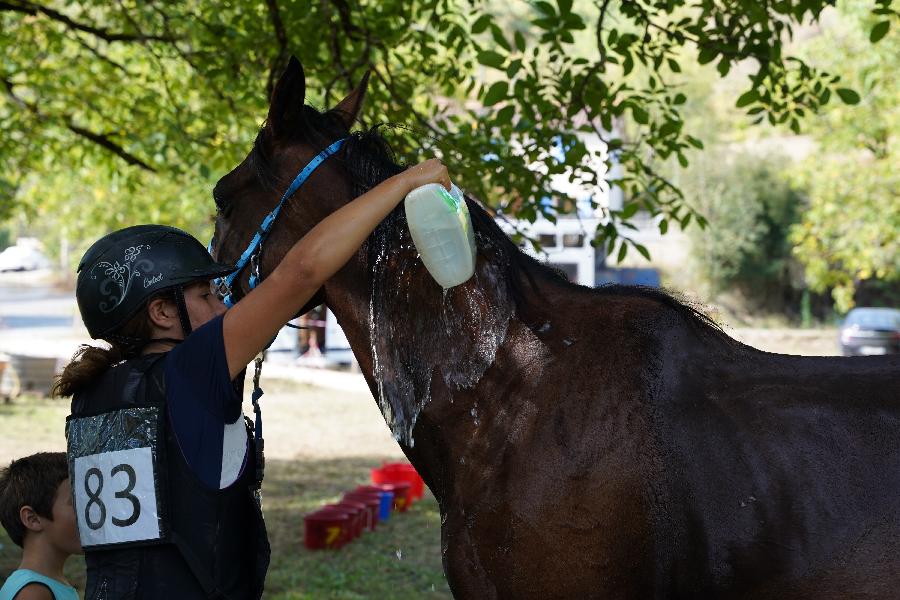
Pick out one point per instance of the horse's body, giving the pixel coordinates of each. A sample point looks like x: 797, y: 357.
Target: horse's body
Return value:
x: 605, y: 443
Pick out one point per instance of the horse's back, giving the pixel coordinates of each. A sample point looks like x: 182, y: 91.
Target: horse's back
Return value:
x: 777, y: 467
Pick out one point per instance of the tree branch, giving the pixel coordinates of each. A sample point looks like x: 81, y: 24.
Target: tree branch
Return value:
x: 280, y: 61
x: 404, y: 101
x: 100, y: 139
x: 31, y: 8
x: 100, y: 56
x: 104, y: 142
x: 600, y: 64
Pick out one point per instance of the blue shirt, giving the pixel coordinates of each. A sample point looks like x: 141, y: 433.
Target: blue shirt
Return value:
x: 205, y: 406
x: 22, y: 577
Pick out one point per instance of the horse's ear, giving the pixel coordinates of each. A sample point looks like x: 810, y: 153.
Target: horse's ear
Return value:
x: 287, y: 97
x: 349, y: 108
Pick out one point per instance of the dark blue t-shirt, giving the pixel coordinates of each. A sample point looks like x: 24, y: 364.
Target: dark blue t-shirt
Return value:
x: 205, y: 406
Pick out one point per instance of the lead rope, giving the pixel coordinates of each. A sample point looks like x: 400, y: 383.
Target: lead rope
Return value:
x: 257, y: 428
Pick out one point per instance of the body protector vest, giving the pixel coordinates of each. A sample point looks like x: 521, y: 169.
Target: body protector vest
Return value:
x: 149, y: 527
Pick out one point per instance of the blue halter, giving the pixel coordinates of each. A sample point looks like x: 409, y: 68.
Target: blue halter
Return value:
x: 251, y: 254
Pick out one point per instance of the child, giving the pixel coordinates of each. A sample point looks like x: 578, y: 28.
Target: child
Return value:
x: 36, y: 511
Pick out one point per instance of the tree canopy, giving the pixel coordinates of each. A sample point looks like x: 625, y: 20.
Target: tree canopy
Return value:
x: 113, y: 112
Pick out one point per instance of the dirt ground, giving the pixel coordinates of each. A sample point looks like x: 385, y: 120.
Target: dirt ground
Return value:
x: 808, y: 342
x: 299, y: 422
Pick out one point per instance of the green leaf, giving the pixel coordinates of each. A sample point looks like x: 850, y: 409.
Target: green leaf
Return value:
x: 623, y: 250
x: 682, y: 160
x: 679, y: 99
x: 513, y: 67
x: 495, y: 93
x: 520, y: 41
x: 747, y: 98
x: 489, y: 58
x: 668, y: 128
x: 663, y: 226
x: 545, y: 8
x: 706, y: 55
x: 481, y: 23
x: 674, y: 66
x: 626, y: 40
x: 643, y: 250
x: 606, y: 120
x: 640, y: 115
x: 498, y: 36
x: 848, y: 96
x: 630, y: 210
x: 565, y: 6
x: 505, y: 115
x: 724, y: 66
x: 879, y: 31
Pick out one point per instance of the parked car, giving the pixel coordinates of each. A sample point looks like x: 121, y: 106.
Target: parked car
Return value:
x: 870, y: 331
x: 22, y: 258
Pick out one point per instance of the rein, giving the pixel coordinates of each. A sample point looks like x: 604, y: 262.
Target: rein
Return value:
x: 253, y: 252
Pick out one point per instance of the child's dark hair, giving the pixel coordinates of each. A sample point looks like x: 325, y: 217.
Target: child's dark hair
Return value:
x: 30, y: 481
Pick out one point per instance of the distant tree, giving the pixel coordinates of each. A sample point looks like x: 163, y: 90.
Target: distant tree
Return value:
x: 753, y: 208
x: 849, y: 237
x: 101, y: 102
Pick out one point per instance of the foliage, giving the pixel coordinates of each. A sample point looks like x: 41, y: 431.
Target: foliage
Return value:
x: 165, y: 95
x: 850, y: 232
x: 753, y: 208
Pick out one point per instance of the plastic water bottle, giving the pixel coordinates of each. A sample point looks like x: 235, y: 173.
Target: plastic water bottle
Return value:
x: 441, y: 229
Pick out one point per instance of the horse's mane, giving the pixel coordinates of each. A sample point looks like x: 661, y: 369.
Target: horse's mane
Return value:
x: 369, y: 160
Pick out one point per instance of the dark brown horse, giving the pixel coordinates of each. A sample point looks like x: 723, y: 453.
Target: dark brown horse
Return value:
x: 589, y: 443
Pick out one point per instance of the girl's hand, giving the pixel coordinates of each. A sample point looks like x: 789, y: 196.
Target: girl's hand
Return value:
x: 430, y: 171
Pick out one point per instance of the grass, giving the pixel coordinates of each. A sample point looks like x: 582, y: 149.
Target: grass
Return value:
x: 401, y: 559
x: 319, y: 443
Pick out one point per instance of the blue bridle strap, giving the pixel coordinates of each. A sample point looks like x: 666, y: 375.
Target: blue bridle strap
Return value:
x: 267, y: 223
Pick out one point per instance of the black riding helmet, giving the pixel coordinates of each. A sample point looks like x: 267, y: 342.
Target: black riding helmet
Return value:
x: 124, y: 269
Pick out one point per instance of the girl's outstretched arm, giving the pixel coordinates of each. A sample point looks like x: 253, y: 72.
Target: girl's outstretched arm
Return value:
x: 254, y: 321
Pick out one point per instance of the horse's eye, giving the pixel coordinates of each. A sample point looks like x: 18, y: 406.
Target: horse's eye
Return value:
x: 217, y: 198
x: 221, y: 203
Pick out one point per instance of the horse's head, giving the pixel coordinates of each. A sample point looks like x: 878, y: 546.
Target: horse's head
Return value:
x: 292, y: 135
x: 403, y: 328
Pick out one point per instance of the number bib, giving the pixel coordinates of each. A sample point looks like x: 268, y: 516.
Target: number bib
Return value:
x: 114, y: 469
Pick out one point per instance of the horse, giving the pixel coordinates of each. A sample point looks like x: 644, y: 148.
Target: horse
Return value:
x: 586, y: 443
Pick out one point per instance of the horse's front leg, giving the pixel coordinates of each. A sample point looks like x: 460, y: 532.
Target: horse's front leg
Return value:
x: 465, y: 573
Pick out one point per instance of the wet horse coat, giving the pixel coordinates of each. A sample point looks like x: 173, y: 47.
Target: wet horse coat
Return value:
x: 582, y: 443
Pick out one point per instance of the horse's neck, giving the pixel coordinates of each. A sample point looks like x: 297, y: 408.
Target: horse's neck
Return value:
x: 405, y: 331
